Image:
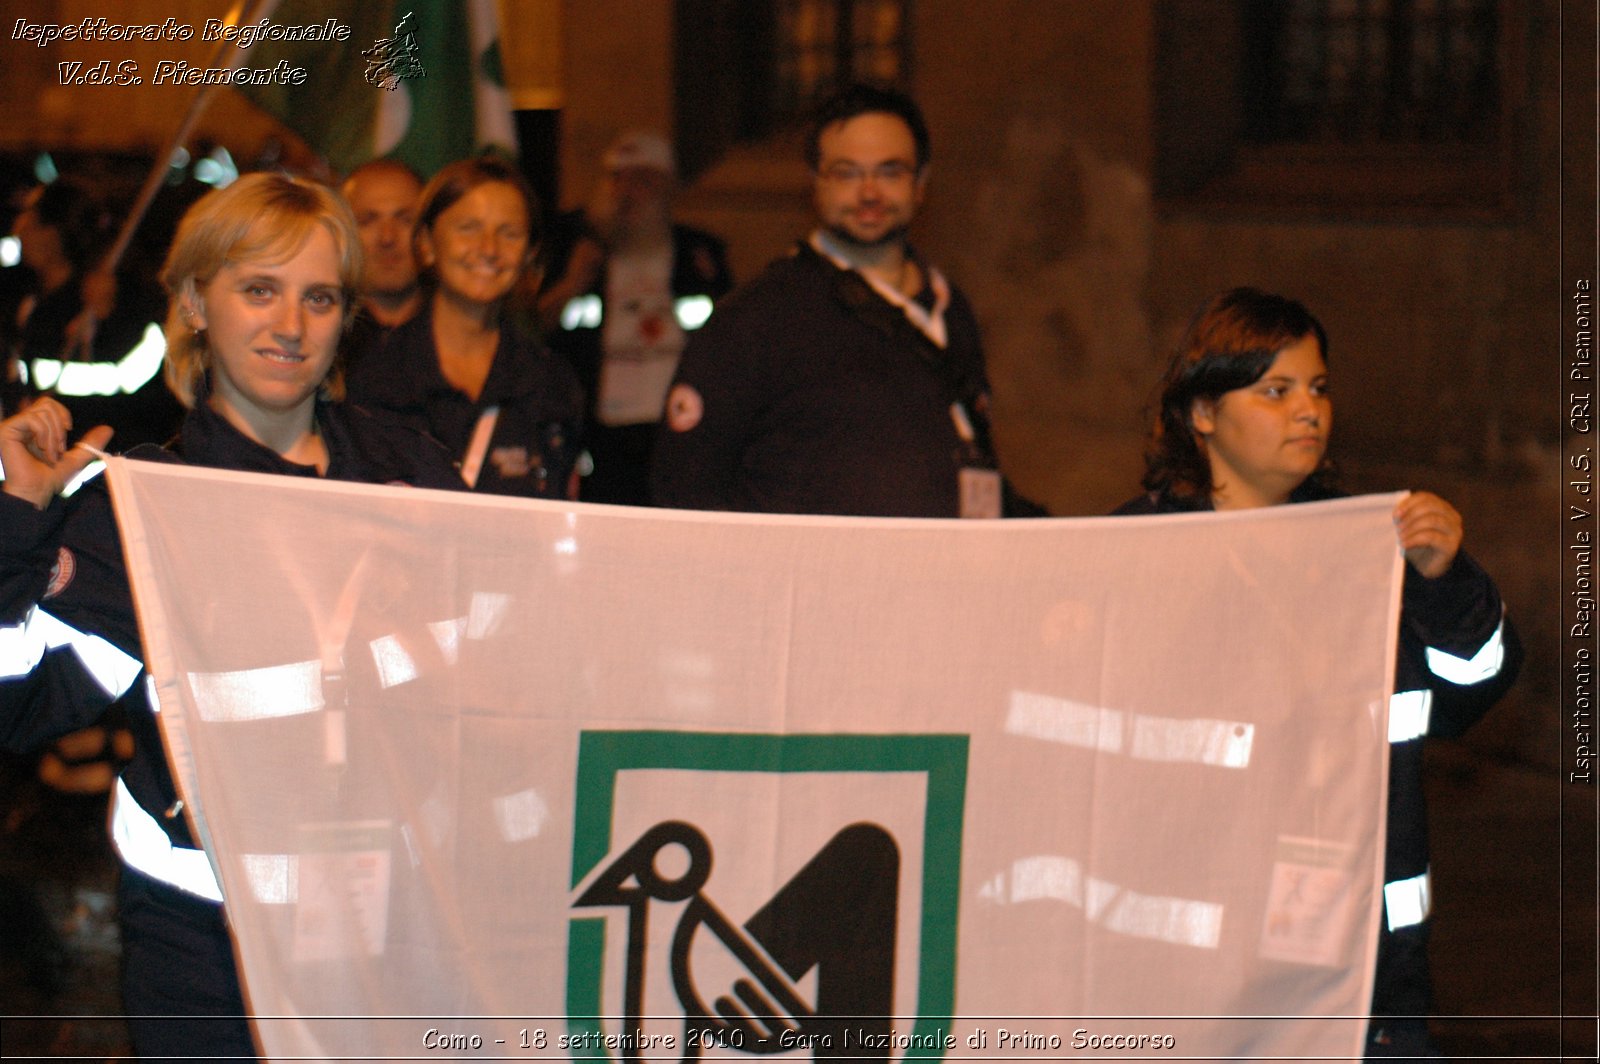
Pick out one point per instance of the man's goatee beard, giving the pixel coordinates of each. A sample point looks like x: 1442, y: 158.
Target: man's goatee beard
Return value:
x: 897, y: 235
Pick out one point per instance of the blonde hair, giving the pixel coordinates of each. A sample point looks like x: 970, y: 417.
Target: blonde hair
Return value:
x: 266, y: 217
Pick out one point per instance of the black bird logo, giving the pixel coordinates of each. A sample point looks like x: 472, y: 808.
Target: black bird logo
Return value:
x: 837, y: 915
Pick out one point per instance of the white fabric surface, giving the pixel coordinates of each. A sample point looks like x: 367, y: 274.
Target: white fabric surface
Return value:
x: 1134, y: 767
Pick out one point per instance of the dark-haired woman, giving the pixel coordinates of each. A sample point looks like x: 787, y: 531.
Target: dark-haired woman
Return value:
x: 1244, y: 422
x: 261, y: 275
x: 462, y: 370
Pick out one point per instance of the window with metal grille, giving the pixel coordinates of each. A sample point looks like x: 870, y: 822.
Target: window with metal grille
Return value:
x: 822, y: 45
x: 746, y: 69
x: 1374, y: 71
x: 1340, y: 107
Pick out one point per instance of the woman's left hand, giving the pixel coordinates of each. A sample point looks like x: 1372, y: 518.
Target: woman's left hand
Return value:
x: 1430, y: 532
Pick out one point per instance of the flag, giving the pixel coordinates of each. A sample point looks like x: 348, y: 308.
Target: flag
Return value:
x: 419, y: 80
x: 564, y: 781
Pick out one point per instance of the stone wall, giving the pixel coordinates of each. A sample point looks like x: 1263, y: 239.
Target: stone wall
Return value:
x: 1442, y: 329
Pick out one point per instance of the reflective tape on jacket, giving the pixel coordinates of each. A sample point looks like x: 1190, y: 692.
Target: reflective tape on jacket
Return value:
x: 691, y: 311
x: 588, y: 312
x: 1408, y: 715
x: 122, y: 377
x: 582, y: 312
x: 1464, y: 671
x: 1407, y: 902
x: 144, y: 846
x: 23, y: 646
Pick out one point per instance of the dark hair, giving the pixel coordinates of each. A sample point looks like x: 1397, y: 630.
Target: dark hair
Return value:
x: 75, y: 211
x: 1231, y: 342
x: 854, y: 100
x: 459, y: 178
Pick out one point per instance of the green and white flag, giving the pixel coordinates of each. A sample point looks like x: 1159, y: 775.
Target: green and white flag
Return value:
x: 527, y: 780
x: 419, y: 80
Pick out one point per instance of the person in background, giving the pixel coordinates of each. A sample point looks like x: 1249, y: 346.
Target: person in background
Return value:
x: 625, y: 286
x: 461, y: 370
x: 64, y: 227
x: 383, y: 196
x: 848, y: 378
x: 260, y: 277
x: 1244, y: 422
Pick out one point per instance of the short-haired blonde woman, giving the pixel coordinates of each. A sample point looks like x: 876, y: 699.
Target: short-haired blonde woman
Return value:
x: 260, y: 277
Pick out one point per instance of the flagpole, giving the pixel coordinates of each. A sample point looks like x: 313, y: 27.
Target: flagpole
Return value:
x: 101, y: 283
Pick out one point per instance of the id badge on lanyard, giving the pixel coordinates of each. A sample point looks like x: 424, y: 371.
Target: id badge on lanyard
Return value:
x: 978, y: 481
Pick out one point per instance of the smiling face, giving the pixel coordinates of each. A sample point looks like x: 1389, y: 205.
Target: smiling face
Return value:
x: 1265, y: 439
x: 272, y: 329
x: 479, y: 245
x: 868, y: 187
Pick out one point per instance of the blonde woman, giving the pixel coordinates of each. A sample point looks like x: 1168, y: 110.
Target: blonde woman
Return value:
x: 260, y: 276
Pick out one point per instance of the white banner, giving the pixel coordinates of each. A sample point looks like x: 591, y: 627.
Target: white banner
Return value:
x: 506, y: 779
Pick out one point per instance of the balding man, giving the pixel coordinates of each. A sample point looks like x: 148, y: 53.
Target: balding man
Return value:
x: 383, y: 194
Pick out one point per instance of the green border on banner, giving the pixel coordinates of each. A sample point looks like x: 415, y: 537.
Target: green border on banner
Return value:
x: 602, y: 755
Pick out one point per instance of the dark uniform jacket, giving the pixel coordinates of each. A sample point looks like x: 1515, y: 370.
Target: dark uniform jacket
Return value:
x: 148, y: 413
x: 69, y: 640
x: 536, y: 440
x: 818, y: 396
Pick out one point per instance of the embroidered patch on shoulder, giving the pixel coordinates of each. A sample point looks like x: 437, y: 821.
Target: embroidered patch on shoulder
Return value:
x: 66, y: 568
x: 684, y: 408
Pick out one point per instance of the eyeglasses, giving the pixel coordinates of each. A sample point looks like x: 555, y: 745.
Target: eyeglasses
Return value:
x: 893, y: 172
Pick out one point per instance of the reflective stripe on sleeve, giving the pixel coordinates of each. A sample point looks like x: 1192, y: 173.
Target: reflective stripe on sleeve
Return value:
x: 144, y: 846
x: 582, y: 312
x: 1407, y: 902
x: 88, y: 473
x: 122, y: 377
x: 691, y: 311
x: 1481, y: 666
x: 1408, y: 715
x: 23, y: 646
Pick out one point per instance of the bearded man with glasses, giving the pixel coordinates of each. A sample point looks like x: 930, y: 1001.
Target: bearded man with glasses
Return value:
x: 848, y: 378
